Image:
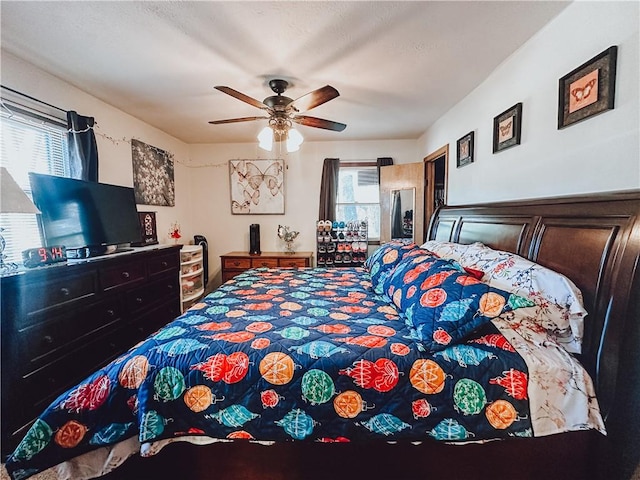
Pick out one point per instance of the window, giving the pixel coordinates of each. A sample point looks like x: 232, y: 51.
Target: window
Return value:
x: 30, y: 141
x: 359, y: 195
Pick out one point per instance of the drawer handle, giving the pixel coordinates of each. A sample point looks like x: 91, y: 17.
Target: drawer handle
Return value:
x: 52, y: 381
x: 125, y: 275
x: 111, y: 313
x: 264, y: 264
x: 65, y: 292
x: 164, y: 264
x: 236, y: 264
x: 48, y: 339
x: 169, y: 286
x: 138, y: 299
x: 112, y: 345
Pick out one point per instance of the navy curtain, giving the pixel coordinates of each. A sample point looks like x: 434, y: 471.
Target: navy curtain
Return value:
x: 83, y: 150
x: 329, y: 189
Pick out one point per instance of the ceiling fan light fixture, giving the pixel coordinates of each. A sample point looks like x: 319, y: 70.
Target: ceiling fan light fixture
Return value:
x: 294, y: 140
x: 265, y: 139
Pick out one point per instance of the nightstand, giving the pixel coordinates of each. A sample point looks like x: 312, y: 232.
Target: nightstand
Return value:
x: 234, y: 263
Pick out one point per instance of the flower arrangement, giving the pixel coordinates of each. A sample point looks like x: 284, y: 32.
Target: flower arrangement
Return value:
x: 174, y: 232
x: 288, y: 236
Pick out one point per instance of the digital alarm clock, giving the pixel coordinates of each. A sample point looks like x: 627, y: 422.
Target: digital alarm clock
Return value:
x: 36, y: 257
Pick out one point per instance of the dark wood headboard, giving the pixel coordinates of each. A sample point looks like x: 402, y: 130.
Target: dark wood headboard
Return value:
x: 594, y: 240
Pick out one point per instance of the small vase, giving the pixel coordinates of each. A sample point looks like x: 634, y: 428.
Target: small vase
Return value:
x: 289, y: 248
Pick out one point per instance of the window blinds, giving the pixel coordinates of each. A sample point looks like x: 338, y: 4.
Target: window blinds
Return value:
x: 30, y: 141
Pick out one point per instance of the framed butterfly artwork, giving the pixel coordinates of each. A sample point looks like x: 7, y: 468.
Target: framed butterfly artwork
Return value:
x: 465, y: 150
x: 507, y: 128
x: 257, y: 187
x: 589, y: 89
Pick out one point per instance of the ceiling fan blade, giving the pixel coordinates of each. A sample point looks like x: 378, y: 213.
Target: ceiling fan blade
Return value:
x: 241, y: 96
x: 315, y: 98
x: 319, y: 123
x: 235, y: 120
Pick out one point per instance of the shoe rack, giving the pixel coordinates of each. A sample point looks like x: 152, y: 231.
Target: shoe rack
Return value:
x: 341, y: 244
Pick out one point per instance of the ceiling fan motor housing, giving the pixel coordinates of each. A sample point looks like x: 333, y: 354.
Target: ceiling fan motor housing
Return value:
x: 278, y: 102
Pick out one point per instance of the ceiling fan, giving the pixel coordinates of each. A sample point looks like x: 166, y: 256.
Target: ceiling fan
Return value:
x: 281, y: 111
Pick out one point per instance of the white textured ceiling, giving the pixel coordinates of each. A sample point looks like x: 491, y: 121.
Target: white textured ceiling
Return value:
x: 397, y: 65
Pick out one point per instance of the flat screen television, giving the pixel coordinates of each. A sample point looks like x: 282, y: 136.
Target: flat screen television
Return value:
x: 84, y: 215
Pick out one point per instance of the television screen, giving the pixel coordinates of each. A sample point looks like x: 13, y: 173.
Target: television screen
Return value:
x: 78, y: 214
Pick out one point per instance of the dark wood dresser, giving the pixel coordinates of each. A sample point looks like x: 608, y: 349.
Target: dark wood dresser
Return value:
x: 60, y: 323
x: 234, y: 263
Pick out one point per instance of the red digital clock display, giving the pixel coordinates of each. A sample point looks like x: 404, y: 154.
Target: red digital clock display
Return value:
x: 35, y: 257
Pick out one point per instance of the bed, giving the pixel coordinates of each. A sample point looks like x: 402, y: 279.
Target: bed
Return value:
x: 312, y: 373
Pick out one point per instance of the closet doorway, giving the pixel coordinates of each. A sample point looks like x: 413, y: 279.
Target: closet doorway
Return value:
x: 435, y: 183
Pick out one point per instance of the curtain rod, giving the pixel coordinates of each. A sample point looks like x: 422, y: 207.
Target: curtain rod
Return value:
x: 33, y: 98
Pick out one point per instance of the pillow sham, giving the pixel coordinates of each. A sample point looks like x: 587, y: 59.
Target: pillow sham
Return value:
x: 554, y: 294
x: 442, y: 302
x: 449, y: 250
x: 382, y: 262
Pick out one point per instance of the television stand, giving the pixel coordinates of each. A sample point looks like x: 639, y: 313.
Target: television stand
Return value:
x: 63, y: 321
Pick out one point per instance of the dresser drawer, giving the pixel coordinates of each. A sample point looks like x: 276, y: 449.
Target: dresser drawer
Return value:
x: 47, y: 295
x: 264, y: 262
x: 124, y: 274
x: 153, y: 293
x: 292, y: 262
x: 162, y: 264
x: 236, y: 263
x: 228, y: 275
x: 40, y: 388
x: 43, y: 341
x: 154, y: 320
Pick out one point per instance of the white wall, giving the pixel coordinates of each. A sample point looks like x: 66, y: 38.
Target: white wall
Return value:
x: 114, y: 132
x: 202, y: 203
x: 226, y: 232
x: 598, y: 154
x: 601, y: 153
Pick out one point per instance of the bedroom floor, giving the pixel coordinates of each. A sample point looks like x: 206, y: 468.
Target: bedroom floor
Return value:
x: 304, y: 461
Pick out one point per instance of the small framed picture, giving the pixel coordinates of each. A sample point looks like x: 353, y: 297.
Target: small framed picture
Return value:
x: 588, y: 90
x: 465, y: 150
x: 507, y: 128
x: 148, y: 228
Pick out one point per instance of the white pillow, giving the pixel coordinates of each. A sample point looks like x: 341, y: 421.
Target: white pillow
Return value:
x: 555, y: 294
x: 448, y: 250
